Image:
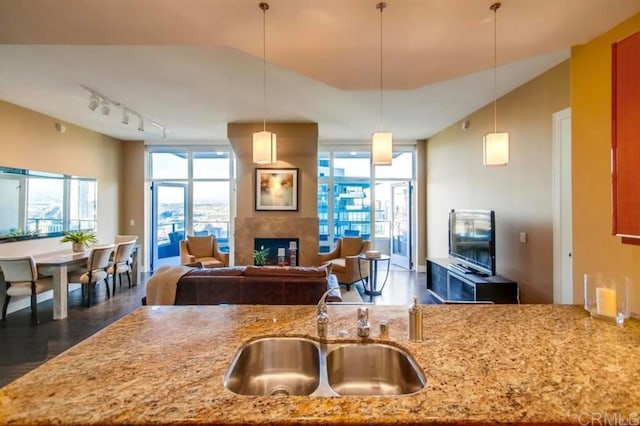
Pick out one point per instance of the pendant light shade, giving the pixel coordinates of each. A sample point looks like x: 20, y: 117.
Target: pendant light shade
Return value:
x: 382, y: 148
x: 264, y: 147
x: 381, y: 142
x: 495, y: 149
x: 495, y: 146
x: 264, y: 143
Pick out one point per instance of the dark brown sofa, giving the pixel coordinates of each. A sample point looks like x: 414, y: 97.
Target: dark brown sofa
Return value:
x: 256, y: 285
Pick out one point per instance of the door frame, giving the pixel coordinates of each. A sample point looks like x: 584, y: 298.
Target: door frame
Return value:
x: 154, y: 215
x: 562, y: 209
x: 402, y: 261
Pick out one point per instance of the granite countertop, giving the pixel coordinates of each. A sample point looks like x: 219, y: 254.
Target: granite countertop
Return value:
x: 482, y: 363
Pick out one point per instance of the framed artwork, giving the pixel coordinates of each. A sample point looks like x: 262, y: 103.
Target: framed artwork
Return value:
x: 277, y: 189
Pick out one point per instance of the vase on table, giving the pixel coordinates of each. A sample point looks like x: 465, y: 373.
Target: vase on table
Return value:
x: 78, y: 247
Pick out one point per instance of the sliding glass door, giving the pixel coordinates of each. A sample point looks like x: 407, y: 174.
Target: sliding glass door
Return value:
x: 169, y: 222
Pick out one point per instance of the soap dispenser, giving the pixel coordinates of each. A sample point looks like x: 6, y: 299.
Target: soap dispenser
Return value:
x: 415, y: 322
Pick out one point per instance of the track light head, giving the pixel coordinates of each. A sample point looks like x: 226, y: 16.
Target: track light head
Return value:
x: 141, y: 125
x: 125, y: 117
x: 105, y: 108
x: 94, y: 101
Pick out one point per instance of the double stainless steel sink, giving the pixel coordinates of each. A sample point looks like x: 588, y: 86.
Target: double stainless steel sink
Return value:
x: 283, y: 366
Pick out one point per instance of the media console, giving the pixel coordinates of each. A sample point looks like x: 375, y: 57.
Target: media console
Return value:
x: 452, y: 282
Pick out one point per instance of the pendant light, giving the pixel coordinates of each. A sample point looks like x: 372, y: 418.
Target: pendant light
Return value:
x: 495, y: 146
x: 264, y: 143
x: 381, y: 142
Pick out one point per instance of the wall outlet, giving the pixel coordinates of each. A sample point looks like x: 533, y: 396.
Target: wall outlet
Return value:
x: 523, y: 237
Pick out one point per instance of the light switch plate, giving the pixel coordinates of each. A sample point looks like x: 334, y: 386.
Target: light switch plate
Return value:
x: 523, y: 237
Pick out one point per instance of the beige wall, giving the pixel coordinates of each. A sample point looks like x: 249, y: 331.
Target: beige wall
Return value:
x: 594, y: 246
x: 132, y: 200
x: 519, y: 193
x: 29, y: 140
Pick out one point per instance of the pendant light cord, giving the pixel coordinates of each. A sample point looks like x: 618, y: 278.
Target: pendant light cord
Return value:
x: 381, y: 7
x: 495, y: 8
x: 264, y: 7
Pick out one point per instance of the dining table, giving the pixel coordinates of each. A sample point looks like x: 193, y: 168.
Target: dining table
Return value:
x: 58, y: 264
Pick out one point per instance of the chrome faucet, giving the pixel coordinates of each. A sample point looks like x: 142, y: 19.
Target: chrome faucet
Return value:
x: 363, y: 322
x: 322, y: 317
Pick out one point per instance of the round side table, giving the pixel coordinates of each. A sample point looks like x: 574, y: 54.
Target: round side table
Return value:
x: 371, y: 287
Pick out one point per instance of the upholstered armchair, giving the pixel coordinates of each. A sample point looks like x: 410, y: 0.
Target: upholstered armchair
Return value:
x: 343, y: 260
x: 202, y: 249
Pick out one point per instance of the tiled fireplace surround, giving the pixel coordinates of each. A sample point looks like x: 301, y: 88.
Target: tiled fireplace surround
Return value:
x: 303, y: 228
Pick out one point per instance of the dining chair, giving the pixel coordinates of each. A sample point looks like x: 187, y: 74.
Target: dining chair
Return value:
x: 121, y: 238
x: 96, y: 271
x: 21, y: 277
x: 121, y: 263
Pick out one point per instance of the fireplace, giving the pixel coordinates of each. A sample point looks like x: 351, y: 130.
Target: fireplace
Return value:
x: 305, y: 229
x: 280, y: 251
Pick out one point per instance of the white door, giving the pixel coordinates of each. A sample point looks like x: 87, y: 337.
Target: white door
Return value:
x: 562, y: 223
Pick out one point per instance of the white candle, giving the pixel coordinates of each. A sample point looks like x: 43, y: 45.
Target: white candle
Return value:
x: 281, y: 252
x: 606, y: 302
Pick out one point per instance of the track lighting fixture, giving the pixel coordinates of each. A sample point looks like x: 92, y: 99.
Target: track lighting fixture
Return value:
x: 106, y: 104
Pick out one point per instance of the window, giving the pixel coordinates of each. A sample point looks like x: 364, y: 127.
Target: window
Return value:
x: 169, y: 165
x: 358, y: 199
x: 41, y: 204
x: 401, y: 167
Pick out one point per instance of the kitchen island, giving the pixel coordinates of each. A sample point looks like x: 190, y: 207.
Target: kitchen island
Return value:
x: 482, y: 363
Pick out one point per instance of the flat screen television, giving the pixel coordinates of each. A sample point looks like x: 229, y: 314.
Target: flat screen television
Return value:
x: 472, y: 240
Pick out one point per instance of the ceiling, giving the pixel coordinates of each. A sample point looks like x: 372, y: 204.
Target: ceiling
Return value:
x: 195, y: 65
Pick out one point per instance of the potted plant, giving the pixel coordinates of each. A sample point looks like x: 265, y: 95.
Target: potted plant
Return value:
x: 260, y: 256
x: 80, y: 239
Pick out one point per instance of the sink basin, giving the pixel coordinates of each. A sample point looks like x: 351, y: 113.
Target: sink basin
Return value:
x: 289, y: 366
x: 275, y: 366
x: 372, y: 369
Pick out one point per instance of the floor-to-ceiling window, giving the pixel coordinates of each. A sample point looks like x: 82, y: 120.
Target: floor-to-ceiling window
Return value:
x: 357, y: 199
x: 190, y: 195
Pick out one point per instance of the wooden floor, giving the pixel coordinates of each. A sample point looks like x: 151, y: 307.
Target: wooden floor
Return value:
x: 24, y: 346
